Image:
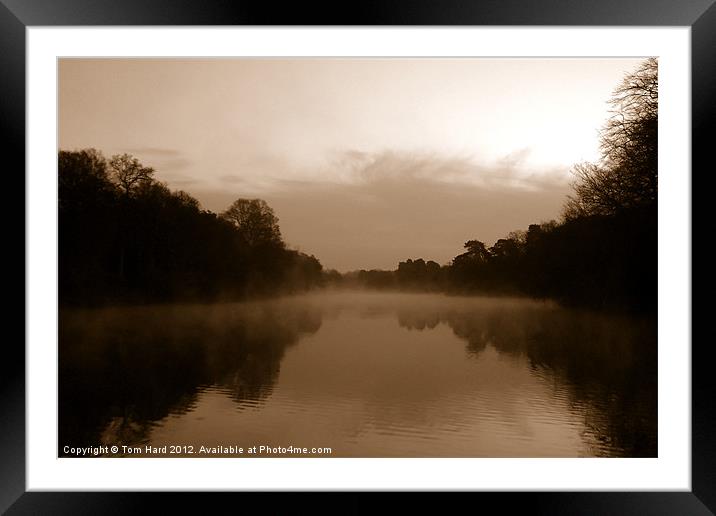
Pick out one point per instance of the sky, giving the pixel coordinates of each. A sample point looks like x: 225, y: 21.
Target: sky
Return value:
x: 366, y: 162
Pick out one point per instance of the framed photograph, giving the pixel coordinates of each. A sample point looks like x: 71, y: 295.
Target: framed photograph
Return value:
x: 431, y: 249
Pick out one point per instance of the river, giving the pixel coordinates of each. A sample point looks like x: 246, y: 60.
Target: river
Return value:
x: 365, y: 374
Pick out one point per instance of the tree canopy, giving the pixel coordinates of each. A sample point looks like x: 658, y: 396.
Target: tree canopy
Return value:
x: 255, y: 220
x: 128, y: 173
x: 626, y: 175
x: 126, y: 236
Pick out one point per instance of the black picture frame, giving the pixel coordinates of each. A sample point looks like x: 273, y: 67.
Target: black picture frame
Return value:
x: 17, y: 15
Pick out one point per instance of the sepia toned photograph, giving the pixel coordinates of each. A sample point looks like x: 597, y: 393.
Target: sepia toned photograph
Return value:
x: 357, y: 257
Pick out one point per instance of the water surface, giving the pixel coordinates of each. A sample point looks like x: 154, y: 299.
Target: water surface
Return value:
x: 364, y: 374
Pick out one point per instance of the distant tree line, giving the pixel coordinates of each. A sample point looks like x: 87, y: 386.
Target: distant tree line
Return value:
x: 603, y: 253
x: 124, y: 236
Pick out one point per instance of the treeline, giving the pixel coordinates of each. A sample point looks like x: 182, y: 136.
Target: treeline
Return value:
x: 603, y: 253
x: 124, y: 236
x: 606, y: 262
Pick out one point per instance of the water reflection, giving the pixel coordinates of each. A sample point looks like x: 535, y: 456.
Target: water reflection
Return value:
x: 605, y: 364
x: 121, y: 369
x: 374, y: 375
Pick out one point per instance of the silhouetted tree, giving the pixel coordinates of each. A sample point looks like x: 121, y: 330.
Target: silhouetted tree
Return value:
x: 87, y: 236
x: 84, y: 180
x: 626, y: 175
x: 124, y: 236
x: 629, y: 139
x: 255, y: 220
x: 129, y: 173
x: 505, y: 249
x: 476, y: 251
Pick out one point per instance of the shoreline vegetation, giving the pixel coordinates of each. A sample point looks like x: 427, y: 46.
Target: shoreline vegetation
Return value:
x: 125, y: 237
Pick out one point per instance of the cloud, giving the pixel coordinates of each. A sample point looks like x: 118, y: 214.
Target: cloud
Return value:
x: 515, y: 158
x: 275, y: 174
x: 510, y: 171
x: 381, y: 208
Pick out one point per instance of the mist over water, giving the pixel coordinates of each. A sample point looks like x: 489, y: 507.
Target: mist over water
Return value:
x: 367, y: 374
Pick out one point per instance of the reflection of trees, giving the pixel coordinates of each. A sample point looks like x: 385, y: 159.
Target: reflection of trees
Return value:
x: 417, y: 320
x: 251, y: 369
x: 607, y: 363
x: 122, y: 369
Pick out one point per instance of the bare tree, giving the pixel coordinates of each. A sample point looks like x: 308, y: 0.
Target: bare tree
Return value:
x: 128, y: 173
x: 626, y: 175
